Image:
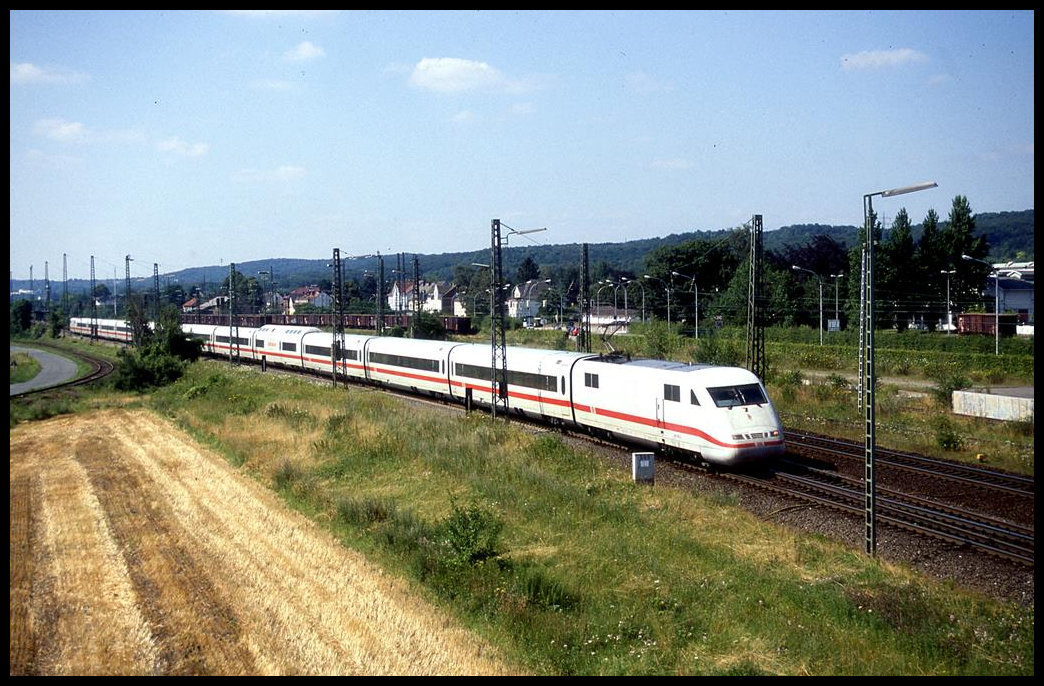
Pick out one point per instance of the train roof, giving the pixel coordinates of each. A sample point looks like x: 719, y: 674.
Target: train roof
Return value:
x: 288, y: 329
x: 669, y: 365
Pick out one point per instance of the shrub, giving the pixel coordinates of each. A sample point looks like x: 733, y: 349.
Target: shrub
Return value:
x: 472, y: 534
x: 149, y: 367
x: 946, y: 436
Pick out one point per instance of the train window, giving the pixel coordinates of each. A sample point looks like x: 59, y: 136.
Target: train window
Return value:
x: 405, y: 361
x: 291, y: 347
x: 671, y: 392
x: 317, y: 350
x: 221, y: 339
x: 731, y: 396
x: 471, y: 371
x: 258, y: 343
x: 590, y: 380
x: 540, y: 382
x: 693, y: 399
x: 349, y: 354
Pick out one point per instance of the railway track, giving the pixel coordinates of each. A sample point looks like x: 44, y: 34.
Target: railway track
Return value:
x: 972, y: 475
x: 952, y: 524
x: 967, y: 506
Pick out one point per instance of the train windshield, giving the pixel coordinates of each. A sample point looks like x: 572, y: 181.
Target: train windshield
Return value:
x: 731, y: 396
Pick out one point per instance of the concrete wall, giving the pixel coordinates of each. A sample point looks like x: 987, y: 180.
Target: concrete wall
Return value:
x: 992, y: 406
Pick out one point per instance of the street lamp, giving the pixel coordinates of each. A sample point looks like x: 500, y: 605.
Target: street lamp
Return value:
x: 949, y: 317
x: 820, y: 279
x: 667, y: 288
x: 642, y: 286
x: 996, y: 301
x: 598, y: 299
x: 837, y: 317
x: 695, y: 302
x: 866, y: 353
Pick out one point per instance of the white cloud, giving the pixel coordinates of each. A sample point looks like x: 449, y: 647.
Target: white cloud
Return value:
x: 879, y: 59
x: 304, y: 51
x: 180, y: 147
x: 454, y: 75
x: 284, y: 173
x: 28, y: 73
x: 59, y: 129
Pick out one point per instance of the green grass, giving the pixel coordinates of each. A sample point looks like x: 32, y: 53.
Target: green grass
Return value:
x: 558, y: 557
x: 23, y: 367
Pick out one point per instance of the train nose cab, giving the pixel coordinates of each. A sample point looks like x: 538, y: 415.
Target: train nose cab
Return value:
x: 751, y: 419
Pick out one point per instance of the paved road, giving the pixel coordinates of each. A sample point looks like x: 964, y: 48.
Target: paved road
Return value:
x: 54, y: 369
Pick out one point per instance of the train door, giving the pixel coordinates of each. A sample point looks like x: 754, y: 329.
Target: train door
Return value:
x: 672, y: 412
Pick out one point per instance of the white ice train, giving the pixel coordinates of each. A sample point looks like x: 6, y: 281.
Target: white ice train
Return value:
x: 721, y: 415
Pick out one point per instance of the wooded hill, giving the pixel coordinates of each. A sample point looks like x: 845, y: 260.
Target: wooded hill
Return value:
x: 1009, y: 235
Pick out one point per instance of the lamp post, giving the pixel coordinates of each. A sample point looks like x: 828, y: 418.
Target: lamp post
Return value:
x: 695, y: 302
x: 668, y: 289
x: 837, y: 316
x: 642, y: 286
x: 598, y: 298
x: 996, y: 301
x: 866, y: 354
x: 949, y: 317
x: 820, y: 279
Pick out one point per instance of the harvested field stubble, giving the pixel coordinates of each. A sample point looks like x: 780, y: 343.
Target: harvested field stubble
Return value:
x: 136, y: 551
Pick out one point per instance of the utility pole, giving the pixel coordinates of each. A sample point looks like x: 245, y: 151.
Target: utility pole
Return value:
x: 338, y: 343
x: 233, y: 330
x: 416, y: 297
x: 127, y: 262
x: 156, y: 289
x: 379, y: 323
x: 498, y: 375
x: 94, y: 305
x: 755, y: 319
x: 584, y: 344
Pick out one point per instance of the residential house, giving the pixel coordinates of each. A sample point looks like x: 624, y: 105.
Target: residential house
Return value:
x: 434, y: 296
x: 306, y: 295
x: 527, y: 299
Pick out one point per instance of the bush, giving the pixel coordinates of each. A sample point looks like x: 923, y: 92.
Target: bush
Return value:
x: 150, y: 367
x: 946, y: 436
x: 472, y: 534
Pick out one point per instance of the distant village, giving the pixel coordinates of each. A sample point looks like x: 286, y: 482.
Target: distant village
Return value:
x: 525, y: 303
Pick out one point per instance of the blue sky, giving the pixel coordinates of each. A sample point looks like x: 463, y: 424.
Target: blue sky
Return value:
x: 191, y: 138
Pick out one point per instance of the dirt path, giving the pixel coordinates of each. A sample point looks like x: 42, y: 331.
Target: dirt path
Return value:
x: 136, y: 551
